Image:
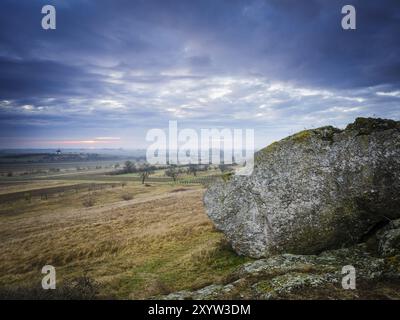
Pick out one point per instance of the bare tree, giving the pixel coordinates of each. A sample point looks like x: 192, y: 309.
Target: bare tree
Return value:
x: 129, y: 167
x: 192, y: 169
x: 172, y: 172
x: 145, y: 172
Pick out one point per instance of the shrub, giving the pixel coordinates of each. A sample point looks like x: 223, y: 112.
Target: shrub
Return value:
x: 82, y: 288
x: 89, y: 201
x: 127, y: 196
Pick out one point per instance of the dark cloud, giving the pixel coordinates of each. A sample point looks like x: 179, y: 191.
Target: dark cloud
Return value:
x: 232, y: 62
x: 24, y: 79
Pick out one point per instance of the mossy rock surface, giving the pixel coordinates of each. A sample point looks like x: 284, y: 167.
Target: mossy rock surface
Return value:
x: 316, y: 190
x: 288, y: 276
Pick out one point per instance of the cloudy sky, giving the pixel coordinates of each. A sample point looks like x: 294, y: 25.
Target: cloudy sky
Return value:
x: 114, y: 69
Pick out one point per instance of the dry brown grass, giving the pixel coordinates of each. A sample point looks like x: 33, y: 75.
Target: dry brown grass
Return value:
x: 154, y: 244
x: 8, y: 187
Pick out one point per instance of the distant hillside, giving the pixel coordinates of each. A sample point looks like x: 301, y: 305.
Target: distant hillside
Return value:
x: 54, y: 157
x: 8, y: 156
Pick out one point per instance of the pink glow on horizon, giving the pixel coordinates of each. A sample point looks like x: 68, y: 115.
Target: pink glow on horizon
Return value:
x: 46, y: 143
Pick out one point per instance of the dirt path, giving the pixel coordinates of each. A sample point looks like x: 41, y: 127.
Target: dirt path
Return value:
x: 151, y: 198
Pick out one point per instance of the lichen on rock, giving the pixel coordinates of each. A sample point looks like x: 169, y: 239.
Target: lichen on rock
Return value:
x: 388, y: 239
x: 306, y: 276
x: 317, y: 190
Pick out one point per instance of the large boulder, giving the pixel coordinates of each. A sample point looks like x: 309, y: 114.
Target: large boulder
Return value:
x: 318, y: 189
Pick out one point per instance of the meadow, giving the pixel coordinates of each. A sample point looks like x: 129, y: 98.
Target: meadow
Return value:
x: 134, y: 240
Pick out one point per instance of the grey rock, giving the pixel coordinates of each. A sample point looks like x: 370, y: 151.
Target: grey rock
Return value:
x: 280, y: 276
x: 389, y: 239
x: 316, y: 190
x: 210, y: 292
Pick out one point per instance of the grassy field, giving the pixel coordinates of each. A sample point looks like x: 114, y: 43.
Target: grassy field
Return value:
x: 136, y: 240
